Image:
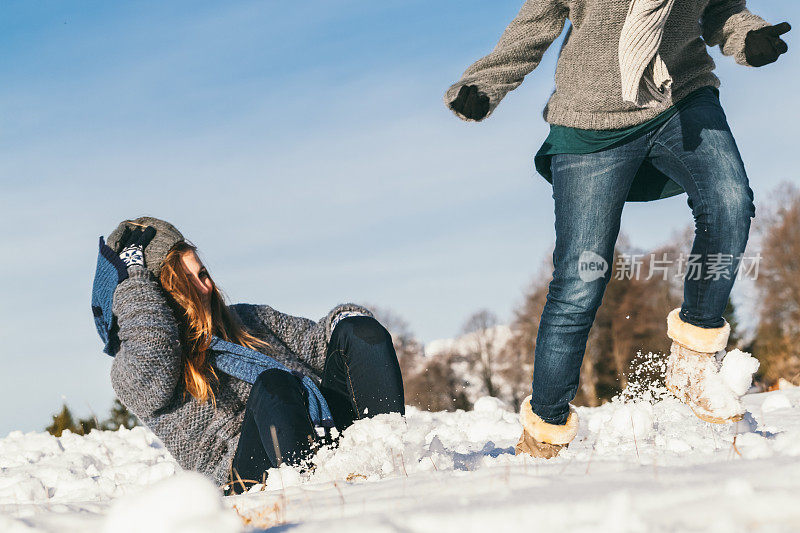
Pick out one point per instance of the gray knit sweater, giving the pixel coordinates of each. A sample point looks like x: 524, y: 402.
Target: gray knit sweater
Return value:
x: 588, y: 92
x: 147, y: 371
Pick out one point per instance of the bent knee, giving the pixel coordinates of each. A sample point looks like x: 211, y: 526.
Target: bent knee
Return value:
x: 577, y: 293
x: 273, y: 376
x: 365, y: 328
x: 733, y: 207
x: 741, y: 208
x: 277, y: 382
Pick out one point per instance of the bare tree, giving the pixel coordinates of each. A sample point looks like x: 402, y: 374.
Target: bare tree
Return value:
x: 409, y: 349
x: 482, y: 348
x: 777, y: 343
x: 429, y: 383
x: 435, y: 387
x: 643, y: 288
x: 516, y: 358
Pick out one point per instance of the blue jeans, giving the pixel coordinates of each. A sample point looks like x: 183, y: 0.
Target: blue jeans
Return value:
x: 696, y: 149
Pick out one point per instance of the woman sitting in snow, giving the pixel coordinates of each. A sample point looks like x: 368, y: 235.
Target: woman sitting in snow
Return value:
x: 231, y: 390
x: 635, y: 116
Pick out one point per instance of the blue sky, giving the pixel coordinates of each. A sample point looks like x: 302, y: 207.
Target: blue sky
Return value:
x: 305, y: 149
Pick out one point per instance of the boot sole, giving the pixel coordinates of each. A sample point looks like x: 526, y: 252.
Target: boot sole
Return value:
x: 534, y: 448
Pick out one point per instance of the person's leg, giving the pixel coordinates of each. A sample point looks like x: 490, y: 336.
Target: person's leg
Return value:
x: 250, y: 462
x: 589, y: 192
x: 276, y: 428
x: 361, y: 376
x: 697, y: 150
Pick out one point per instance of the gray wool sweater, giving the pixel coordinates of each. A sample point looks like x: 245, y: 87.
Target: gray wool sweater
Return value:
x: 147, y: 371
x: 588, y: 87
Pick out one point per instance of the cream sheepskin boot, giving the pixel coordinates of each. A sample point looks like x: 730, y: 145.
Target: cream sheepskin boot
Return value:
x: 541, y: 439
x: 693, y: 371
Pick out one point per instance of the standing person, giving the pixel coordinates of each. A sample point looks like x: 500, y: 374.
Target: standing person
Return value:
x: 635, y: 116
x: 231, y: 391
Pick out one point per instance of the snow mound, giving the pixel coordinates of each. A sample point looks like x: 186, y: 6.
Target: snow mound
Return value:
x: 775, y: 402
x: 186, y: 503
x: 39, y: 468
x: 640, y: 462
x: 737, y: 371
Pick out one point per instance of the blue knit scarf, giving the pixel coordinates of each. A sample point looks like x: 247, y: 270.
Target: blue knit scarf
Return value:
x: 232, y: 359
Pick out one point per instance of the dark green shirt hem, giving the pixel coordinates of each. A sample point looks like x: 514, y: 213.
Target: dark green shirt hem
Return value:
x: 649, y: 183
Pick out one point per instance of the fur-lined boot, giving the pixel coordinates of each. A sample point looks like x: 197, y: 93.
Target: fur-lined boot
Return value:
x: 541, y: 439
x: 693, y: 370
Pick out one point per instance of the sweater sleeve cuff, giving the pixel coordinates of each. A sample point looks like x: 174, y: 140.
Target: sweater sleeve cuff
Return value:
x: 748, y: 23
x: 345, y: 314
x: 452, y: 94
x: 139, y: 272
x: 343, y: 311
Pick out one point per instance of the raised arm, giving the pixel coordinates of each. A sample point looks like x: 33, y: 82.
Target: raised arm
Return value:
x: 726, y: 23
x: 308, y: 339
x: 147, y: 368
x: 517, y: 53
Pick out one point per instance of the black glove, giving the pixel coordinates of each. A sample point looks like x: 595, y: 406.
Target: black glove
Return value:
x: 764, y: 45
x: 133, y: 243
x: 471, y: 103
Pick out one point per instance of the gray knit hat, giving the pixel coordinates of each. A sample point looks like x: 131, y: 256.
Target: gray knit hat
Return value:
x: 166, y: 237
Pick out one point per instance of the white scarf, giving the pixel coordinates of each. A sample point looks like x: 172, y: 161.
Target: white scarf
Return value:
x: 646, y: 81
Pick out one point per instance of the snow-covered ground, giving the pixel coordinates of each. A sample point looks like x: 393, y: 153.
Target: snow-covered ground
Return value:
x: 635, y: 466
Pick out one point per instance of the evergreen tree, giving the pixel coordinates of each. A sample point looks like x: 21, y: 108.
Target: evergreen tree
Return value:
x: 120, y: 417
x: 61, y: 421
x: 86, y: 425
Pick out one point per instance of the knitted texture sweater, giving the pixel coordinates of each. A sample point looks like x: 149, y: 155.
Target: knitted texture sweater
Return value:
x: 588, y: 87
x: 147, y: 373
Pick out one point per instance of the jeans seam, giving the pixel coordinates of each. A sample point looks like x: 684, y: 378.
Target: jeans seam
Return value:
x: 352, y: 389
x: 703, y: 282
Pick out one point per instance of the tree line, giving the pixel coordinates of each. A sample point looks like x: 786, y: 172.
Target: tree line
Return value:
x: 118, y: 417
x: 490, y: 359
x: 629, y: 325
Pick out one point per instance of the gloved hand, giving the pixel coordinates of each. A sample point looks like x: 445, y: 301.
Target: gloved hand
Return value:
x: 133, y: 243
x: 764, y: 45
x: 471, y: 103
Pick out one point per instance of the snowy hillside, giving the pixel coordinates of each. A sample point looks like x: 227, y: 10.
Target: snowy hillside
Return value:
x: 636, y: 466
x: 498, y: 336
x: 465, y: 355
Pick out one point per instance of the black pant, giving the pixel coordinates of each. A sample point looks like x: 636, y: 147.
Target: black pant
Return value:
x: 361, y: 378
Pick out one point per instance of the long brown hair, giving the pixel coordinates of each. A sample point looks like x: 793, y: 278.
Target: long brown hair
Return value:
x: 199, y: 323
